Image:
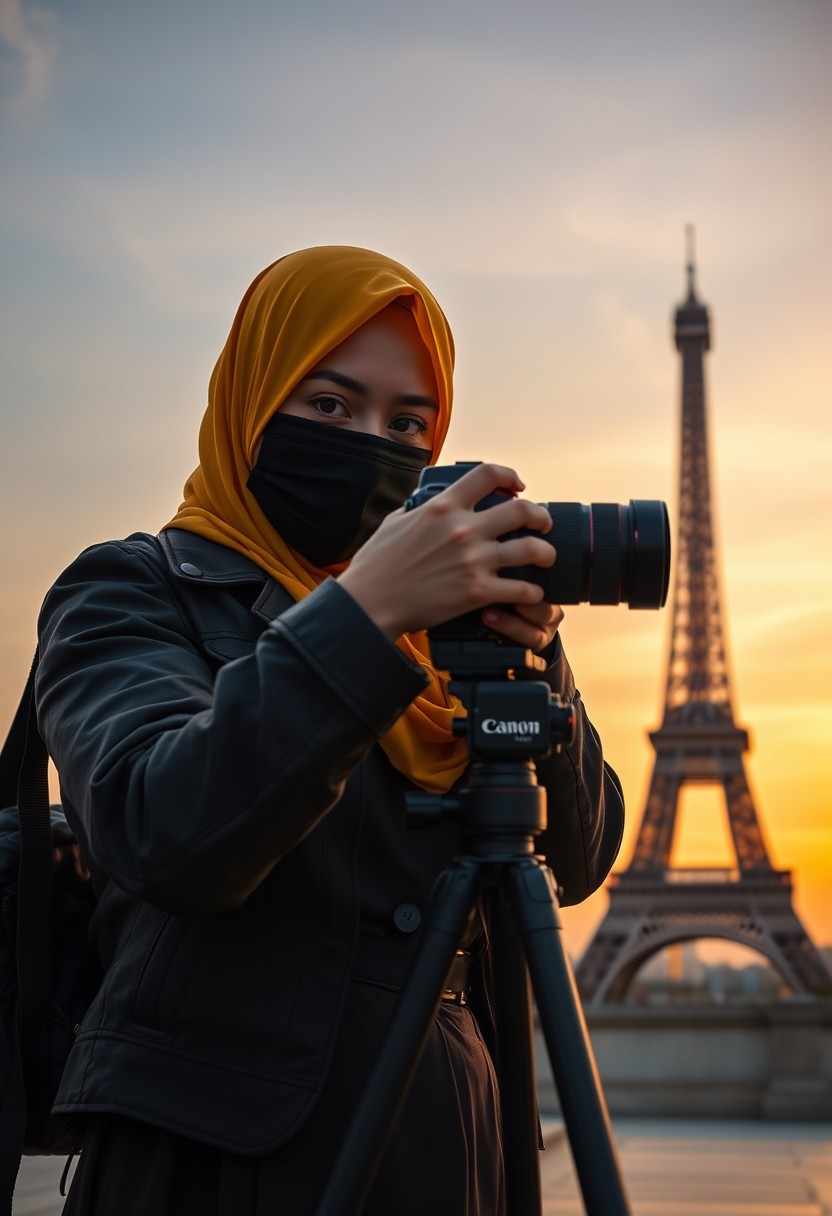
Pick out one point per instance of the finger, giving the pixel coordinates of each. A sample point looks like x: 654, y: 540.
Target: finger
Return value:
x: 480, y: 481
x: 519, y: 630
x: 536, y: 614
x: 543, y: 615
x: 513, y: 515
x: 525, y: 551
x: 514, y: 591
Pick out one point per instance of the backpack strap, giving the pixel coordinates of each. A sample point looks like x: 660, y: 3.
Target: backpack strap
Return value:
x: 11, y: 757
x: 24, y: 782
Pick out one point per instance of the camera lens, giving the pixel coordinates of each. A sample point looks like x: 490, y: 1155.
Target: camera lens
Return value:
x: 608, y: 554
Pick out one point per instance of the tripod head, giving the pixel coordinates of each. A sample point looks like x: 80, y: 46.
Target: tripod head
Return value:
x: 511, y: 714
x: 512, y: 720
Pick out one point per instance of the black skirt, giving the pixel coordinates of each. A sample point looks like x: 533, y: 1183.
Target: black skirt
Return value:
x: 445, y: 1157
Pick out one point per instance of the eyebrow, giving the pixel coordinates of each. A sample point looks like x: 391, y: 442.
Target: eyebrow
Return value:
x: 355, y: 386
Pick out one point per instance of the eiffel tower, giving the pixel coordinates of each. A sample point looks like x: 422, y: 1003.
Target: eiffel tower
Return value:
x: 652, y: 903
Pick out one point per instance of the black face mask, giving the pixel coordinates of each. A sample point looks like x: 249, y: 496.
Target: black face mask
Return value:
x: 325, y: 489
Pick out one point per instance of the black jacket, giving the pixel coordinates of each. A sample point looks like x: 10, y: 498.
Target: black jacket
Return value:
x: 215, y: 745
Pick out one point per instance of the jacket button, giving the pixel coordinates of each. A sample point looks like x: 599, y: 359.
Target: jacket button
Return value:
x: 190, y: 569
x: 407, y: 918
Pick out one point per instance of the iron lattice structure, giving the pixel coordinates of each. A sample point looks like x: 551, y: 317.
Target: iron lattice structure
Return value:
x: 652, y: 904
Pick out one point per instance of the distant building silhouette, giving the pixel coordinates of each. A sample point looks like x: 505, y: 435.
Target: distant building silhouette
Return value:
x: 653, y: 904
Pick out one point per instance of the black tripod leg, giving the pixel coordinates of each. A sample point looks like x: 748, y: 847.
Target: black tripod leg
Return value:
x: 455, y: 895
x: 514, y: 1058
x: 534, y: 903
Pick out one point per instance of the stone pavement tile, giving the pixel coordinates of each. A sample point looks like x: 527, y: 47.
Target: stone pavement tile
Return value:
x: 707, y: 1169
x: 36, y: 1193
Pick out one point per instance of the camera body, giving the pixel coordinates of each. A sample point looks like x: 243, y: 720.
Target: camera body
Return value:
x: 607, y: 553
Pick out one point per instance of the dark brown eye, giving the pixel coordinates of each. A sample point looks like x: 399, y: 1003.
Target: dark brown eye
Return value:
x: 407, y: 424
x: 330, y: 407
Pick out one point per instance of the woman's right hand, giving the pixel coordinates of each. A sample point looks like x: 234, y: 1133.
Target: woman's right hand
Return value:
x: 426, y: 566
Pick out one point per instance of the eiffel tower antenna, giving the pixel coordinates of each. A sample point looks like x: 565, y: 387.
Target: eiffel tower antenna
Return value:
x: 652, y: 903
x: 690, y: 245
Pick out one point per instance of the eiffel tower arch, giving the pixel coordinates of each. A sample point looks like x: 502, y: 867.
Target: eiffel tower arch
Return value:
x: 652, y: 903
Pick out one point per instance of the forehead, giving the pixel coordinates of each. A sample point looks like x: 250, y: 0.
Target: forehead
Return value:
x: 390, y: 340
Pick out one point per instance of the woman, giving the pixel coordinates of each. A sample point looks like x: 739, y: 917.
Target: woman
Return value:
x: 237, y: 709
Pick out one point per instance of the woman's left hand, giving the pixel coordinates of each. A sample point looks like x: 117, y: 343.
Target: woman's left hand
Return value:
x: 531, y: 625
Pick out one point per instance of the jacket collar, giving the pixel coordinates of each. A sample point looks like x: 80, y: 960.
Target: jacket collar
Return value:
x: 195, y: 559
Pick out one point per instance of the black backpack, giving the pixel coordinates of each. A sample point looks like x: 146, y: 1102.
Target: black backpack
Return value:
x: 48, y: 969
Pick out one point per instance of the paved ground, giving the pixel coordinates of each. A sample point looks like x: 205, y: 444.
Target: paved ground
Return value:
x: 36, y: 1193
x: 670, y: 1168
x: 688, y: 1168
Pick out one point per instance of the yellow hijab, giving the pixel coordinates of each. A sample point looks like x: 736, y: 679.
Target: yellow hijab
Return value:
x: 296, y: 311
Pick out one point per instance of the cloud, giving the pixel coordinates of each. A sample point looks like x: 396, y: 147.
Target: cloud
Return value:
x: 28, y: 35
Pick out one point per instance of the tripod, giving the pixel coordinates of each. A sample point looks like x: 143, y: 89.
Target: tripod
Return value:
x: 501, y: 810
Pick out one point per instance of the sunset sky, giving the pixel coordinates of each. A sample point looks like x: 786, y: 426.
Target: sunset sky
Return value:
x: 536, y: 163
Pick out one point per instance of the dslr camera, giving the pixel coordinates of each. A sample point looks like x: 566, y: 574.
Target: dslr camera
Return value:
x: 607, y: 553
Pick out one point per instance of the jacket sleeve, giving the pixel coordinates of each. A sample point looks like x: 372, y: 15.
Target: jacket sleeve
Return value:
x: 186, y: 786
x: 585, y: 803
